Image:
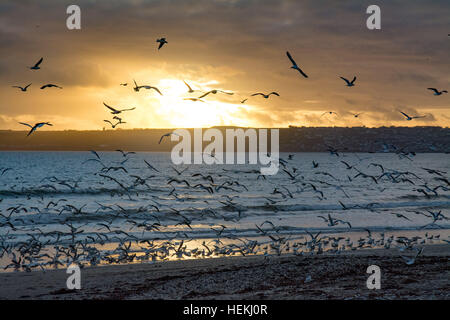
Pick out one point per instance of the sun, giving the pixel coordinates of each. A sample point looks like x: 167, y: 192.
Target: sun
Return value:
x: 194, y: 114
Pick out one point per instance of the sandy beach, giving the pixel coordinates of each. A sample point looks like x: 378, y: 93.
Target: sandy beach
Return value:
x: 276, y: 277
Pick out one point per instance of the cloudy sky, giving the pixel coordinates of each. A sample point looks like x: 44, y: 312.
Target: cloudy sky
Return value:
x: 233, y: 45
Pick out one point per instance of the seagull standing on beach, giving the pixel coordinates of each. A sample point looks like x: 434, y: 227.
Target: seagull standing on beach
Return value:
x: 36, y: 126
x: 36, y: 66
x: 294, y: 65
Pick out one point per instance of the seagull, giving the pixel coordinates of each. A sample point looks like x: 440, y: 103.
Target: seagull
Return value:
x: 329, y: 112
x: 115, y: 111
x: 161, y: 41
x: 356, y: 115
x: 124, y: 84
x: 50, y: 86
x: 125, y: 154
x: 167, y: 135
x: 114, y: 125
x: 265, y: 95
x: 349, y: 83
x: 36, y: 126
x: 150, y: 87
x: 214, y: 92
x: 437, y: 92
x: 194, y: 99
x: 189, y: 87
x: 243, y: 101
x: 411, y: 260
x: 23, y: 89
x: 136, y: 87
x: 294, y: 65
x: 410, y: 118
x: 36, y: 66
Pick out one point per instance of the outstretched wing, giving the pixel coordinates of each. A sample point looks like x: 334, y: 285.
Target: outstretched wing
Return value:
x: 404, y: 114
x: 434, y: 89
x: 204, y: 95
x: 348, y: 82
x: 26, y: 124
x: 302, y: 73
x: 38, y: 63
x: 128, y: 109
x: 110, y: 108
x: 190, y: 89
x: 164, y: 135
x: 290, y: 58
x: 157, y: 90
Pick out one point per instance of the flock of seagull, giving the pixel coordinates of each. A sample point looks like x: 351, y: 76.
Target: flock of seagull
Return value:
x: 46, y: 249
x: 162, y: 41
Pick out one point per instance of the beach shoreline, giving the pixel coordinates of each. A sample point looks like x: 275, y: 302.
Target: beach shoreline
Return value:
x: 285, y: 277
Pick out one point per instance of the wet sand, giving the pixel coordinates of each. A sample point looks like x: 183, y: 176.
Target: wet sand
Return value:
x: 333, y: 276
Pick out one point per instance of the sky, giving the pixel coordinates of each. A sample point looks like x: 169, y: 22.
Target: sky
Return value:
x: 233, y: 45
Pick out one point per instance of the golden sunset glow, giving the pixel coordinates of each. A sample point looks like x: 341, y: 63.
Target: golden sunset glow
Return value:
x: 226, y: 45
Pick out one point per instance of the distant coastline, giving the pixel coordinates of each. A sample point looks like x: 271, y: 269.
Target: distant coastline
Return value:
x: 293, y: 139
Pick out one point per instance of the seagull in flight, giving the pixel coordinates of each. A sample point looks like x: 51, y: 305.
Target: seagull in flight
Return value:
x: 50, y: 86
x: 162, y: 42
x: 114, y: 125
x: 167, y: 135
x: 189, y: 87
x: 124, y: 84
x: 150, y: 87
x: 194, y: 99
x: 410, y: 118
x: 266, y: 96
x: 349, y: 83
x: 329, y: 112
x: 136, y: 87
x: 294, y: 65
x: 22, y: 88
x: 437, y: 92
x: 36, y: 66
x: 215, y: 92
x: 356, y: 115
x: 115, y: 111
x: 36, y: 126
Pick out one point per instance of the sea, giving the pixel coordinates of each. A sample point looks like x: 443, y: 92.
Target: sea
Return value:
x: 59, y: 208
